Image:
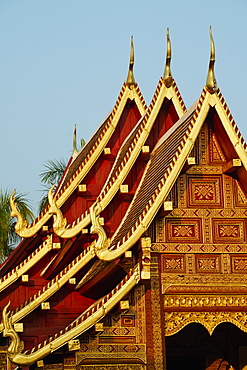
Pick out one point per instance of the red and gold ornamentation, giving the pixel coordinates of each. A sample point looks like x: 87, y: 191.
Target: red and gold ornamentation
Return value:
x: 229, y: 231
x: 205, y: 191
x: 207, y: 263
x: 179, y: 230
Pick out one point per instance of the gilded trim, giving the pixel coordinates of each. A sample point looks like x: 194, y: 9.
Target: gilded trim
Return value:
x: 117, y: 177
x: 205, y: 102
x: 175, y: 321
x: 211, y: 83
x: 24, y: 230
x: 25, y: 265
x: 92, y: 315
x: 53, y: 286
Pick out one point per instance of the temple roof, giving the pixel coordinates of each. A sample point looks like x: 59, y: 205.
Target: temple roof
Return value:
x: 62, y: 250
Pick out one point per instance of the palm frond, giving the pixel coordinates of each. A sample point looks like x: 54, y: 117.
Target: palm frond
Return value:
x: 53, y: 172
x: 44, y: 199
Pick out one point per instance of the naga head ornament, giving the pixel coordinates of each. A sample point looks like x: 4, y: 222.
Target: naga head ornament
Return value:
x: 16, y: 346
x: 59, y: 221
x: 21, y: 223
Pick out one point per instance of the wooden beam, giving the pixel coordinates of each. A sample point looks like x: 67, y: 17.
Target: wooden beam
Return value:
x: 123, y: 306
x: 82, y: 188
x: 124, y: 189
x: 145, y: 153
x: 166, y: 208
x: 107, y: 151
x: 74, y: 345
x: 45, y: 306
x: 98, y: 328
x: 232, y: 165
x: 190, y: 161
x: 18, y: 326
x: 24, y: 278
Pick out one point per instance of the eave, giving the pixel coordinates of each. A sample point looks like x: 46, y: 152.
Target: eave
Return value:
x: 86, y: 320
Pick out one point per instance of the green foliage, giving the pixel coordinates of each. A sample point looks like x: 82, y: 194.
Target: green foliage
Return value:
x: 51, y: 175
x: 8, y: 237
x: 53, y: 172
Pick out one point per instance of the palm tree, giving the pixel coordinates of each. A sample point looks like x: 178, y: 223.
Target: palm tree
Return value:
x: 8, y: 237
x: 53, y: 172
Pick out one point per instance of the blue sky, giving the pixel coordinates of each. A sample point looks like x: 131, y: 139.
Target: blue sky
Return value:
x: 63, y: 62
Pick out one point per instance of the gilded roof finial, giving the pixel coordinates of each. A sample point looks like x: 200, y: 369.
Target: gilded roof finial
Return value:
x: 167, y: 72
x: 211, y: 80
x: 75, y: 151
x: 130, y: 78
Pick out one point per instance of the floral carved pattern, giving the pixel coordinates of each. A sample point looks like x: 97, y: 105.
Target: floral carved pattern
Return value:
x: 207, y: 263
x: 111, y: 367
x: 216, y: 154
x: 180, y: 229
x: 183, y: 230
x: 239, y: 264
x: 173, y: 263
x: 211, y: 300
x: 239, y: 195
x: 229, y: 230
x: 206, y: 191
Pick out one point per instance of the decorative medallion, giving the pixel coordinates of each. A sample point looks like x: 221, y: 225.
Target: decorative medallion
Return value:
x: 179, y: 230
x: 229, y: 231
x: 207, y: 263
x: 205, y: 191
x: 239, y: 264
x: 173, y: 263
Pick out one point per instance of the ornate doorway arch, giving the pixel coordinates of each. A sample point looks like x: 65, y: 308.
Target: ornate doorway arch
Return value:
x: 194, y: 348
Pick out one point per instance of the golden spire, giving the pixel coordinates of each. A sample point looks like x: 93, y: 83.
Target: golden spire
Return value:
x: 130, y: 78
x: 167, y: 72
x: 75, y: 151
x: 211, y: 81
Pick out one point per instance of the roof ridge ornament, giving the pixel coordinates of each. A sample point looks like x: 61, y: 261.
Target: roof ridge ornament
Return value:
x: 167, y: 72
x: 75, y: 151
x: 211, y: 83
x: 130, y: 78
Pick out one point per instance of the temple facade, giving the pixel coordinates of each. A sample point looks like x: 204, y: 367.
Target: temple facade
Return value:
x: 139, y: 261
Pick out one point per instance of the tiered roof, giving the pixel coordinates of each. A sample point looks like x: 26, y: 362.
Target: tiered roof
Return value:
x: 152, y: 150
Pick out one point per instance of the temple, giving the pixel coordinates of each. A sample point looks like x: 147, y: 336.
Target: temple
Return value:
x: 139, y: 261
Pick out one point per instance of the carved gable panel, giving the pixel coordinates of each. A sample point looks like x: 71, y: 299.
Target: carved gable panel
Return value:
x: 216, y: 154
x: 229, y: 230
x: 206, y: 263
x: 179, y: 230
x: 173, y: 263
x: 204, y: 191
x: 239, y: 263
